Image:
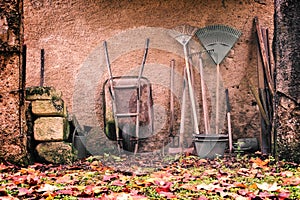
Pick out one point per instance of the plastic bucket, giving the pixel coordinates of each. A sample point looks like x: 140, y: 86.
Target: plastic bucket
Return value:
x: 210, y: 145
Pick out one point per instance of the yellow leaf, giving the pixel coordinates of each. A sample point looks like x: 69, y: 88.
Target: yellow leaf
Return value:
x: 50, y: 197
x: 80, y: 187
x: 253, y: 186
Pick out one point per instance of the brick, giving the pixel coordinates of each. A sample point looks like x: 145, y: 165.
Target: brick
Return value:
x: 55, y: 152
x: 51, y: 129
x: 49, y: 108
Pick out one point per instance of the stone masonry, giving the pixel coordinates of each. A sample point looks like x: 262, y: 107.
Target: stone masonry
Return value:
x: 51, y: 129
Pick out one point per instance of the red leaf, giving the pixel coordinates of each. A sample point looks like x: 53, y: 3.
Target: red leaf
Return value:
x: 284, y: 195
x: 89, y: 190
x: 19, y: 179
x: 23, y: 191
x: 291, y: 181
x: 265, y: 195
x: 117, y: 183
x: 32, y: 180
x: 63, y: 179
x: 165, y: 187
x: 4, y: 167
x: 242, y: 192
x: 109, y: 177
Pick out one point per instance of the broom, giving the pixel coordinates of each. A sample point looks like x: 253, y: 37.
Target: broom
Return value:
x: 183, y: 35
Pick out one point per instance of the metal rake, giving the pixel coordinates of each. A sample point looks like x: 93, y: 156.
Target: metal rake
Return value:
x: 220, y: 39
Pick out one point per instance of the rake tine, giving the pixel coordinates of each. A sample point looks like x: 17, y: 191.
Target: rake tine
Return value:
x: 221, y: 38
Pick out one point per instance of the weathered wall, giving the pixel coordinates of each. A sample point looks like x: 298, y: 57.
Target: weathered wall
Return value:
x: 13, y: 146
x: 287, y: 116
x: 70, y: 31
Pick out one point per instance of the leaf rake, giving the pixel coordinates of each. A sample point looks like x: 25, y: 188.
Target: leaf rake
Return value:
x: 220, y: 39
x: 183, y: 35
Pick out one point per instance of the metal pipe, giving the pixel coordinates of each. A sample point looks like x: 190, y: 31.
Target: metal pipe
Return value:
x: 42, y: 78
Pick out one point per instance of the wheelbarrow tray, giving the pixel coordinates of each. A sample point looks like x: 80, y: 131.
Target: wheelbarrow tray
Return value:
x: 126, y: 96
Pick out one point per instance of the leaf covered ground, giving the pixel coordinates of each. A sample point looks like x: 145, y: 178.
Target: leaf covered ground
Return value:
x: 179, y: 177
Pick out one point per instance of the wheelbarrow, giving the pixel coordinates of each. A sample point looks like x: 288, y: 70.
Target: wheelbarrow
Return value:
x: 131, y: 116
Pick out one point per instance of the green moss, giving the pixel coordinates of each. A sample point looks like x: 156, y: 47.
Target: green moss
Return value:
x: 58, y: 103
x: 37, y: 90
x: 66, y: 129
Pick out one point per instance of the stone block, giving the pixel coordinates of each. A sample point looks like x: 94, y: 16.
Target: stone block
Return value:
x: 51, y: 129
x: 55, y: 152
x: 49, y: 108
x: 42, y: 93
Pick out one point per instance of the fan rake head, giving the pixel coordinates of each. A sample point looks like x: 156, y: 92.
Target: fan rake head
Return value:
x: 219, y: 38
x: 183, y: 33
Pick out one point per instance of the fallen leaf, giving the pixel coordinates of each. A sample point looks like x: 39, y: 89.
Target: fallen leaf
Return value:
x: 286, y: 174
x: 23, y: 191
x: 168, y: 195
x: 164, y: 187
x: 265, y: 195
x: 4, y: 167
x: 268, y: 187
x: 202, y: 198
x: 48, y: 188
x: 89, y: 190
x: 65, y: 192
x: 294, y: 181
x: 8, y: 198
x: 253, y: 186
x: 3, y: 191
x: 188, y: 186
x: 258, y: 163
x: 284, y: 194
x: 118, y: 183
x: 240, y: 185
x: 109, y: 177
x: 208, y: 187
